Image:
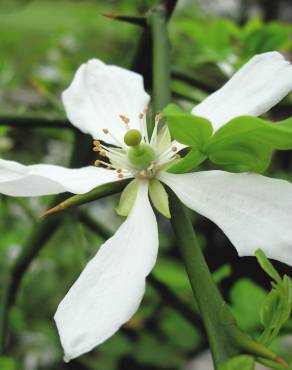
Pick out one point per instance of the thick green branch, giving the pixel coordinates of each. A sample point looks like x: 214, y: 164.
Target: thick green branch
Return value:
x: 225, y: 338
x: 161, y: 57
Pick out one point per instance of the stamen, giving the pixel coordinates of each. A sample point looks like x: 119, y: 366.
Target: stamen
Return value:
x: 119, y: 170
x: 103, y: 153
x: 174, y: 149
x: 125, y: 119
x: 105, y: 131
x: 120, y: 176
x: 157, y: 117
x: 97, y: 163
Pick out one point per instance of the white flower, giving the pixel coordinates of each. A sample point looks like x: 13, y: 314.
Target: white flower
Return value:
x: 108, y: 102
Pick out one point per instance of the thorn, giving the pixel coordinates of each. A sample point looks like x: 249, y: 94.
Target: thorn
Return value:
x: 138, y: 21
x: 53, y: 210
x: 281, y: 361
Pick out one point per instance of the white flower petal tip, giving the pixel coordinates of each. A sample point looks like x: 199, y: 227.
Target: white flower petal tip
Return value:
x: 253, y: 211
x: 99, y: 94
x: 44, y: 179
x: 109, y: 290
x: 255, y: 88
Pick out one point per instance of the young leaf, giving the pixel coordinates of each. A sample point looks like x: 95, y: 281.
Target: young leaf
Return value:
x: 242, y: 362
x: 188, y: 163
x: 187, y: 129
x: 267, y: 266
x: 249, y: 141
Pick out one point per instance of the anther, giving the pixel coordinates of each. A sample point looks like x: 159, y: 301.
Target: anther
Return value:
x: 177, y: 156
x: 174, y: 149
x: 105, y: 131
x: 141, y: 115
x: 145, y: 110
x: 157, y: 117
x: 96, y: 142
x: 120, y: 175
x: 96, y: 149
x: 119, y: 170
x: 125, y: 119
x: 97, y: 163
x: 103, y: 153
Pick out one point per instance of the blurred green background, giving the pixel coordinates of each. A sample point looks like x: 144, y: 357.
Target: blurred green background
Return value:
x: 41, y: 45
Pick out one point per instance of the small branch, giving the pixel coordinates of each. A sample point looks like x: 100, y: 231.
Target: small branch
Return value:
x: 138, y: 21
x: 192, y: 80
x: 34, y: 122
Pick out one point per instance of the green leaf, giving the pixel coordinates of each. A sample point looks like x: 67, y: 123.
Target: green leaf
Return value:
x: 246, y: 300
x: 269, y: 310
x: 223, y: 272
x: 7, y: 363
x: 267, y: 266
x: 276, y: 309
x: 127, y: 199
x: 188, y: 163
x: 159, y: 197
x: 249, y: 141
x: 242, y: 362
x: 188, y: 129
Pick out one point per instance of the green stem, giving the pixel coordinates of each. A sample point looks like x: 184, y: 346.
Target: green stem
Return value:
x: 225, y: 338
x: 161, y: 56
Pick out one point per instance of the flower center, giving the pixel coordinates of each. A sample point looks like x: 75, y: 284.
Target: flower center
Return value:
x: 140, y: 155
x: 137, y: 155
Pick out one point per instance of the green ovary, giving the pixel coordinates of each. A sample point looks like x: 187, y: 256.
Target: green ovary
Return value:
x: 141, y: 156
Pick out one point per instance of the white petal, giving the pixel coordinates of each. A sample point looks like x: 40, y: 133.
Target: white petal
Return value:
x: 44, y: 179
x: 253, y: 90
x: 99, y: 93
x: 109, y: 290
x: 252, y: 210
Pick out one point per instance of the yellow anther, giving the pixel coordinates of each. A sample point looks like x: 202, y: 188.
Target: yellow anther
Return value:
x: 109, y: 167
x: 96, y: 149
x: 141, y: 115
x: 157, y: 117
x: 120, y: 175
x: 96, y: 142
x: 103, y: 153
x: 125, y: 119
x: 105, y: 131
x: 177, y: 156
x: 119, y: 170
x: 145, y: 110
x: 174, y: 149
x: 97, y: 163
